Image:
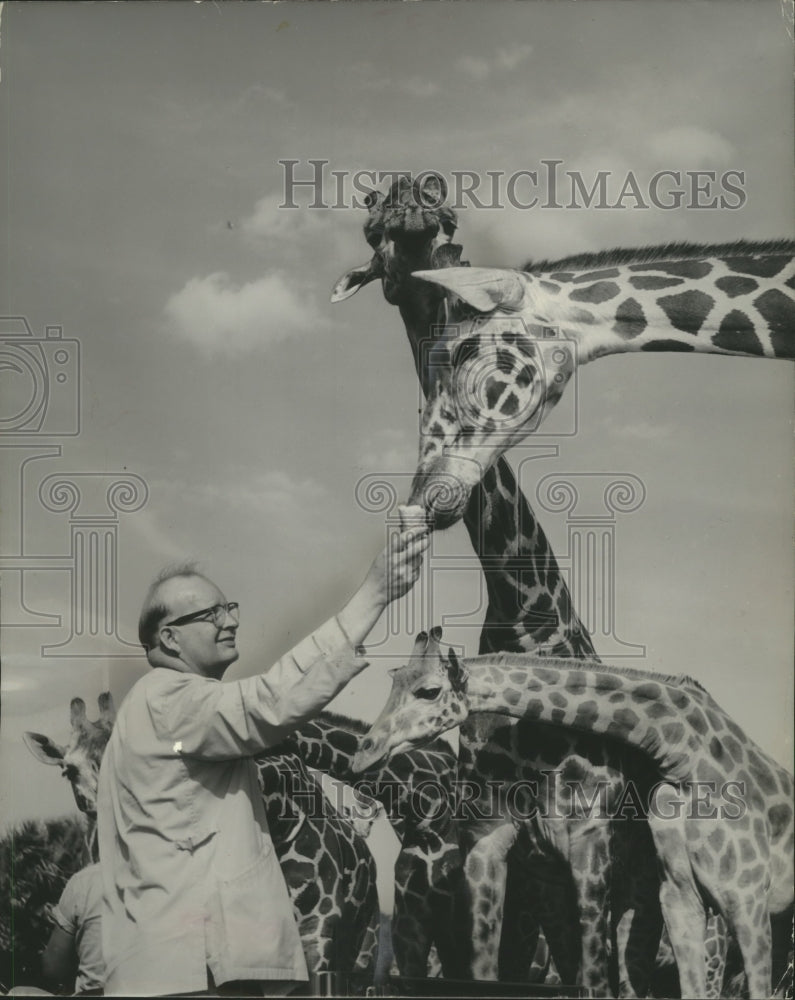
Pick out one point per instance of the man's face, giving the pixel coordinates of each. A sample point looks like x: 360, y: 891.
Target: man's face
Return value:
x: 202, y: 646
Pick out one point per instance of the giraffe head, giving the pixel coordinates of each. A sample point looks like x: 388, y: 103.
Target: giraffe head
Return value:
x: 79, y: 760
x: 494, y: 377
x: 408, y: 228
x: 428, y: 697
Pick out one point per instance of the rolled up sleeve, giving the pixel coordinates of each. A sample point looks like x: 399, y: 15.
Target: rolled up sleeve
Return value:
x: 213, y: 720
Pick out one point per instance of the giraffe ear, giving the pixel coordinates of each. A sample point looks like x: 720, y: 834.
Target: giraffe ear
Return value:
x: 43, y: 748
x: 456, y: 672
x: 350, y: 283
x: 484, y: 288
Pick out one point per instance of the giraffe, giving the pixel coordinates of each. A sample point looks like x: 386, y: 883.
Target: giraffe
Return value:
x: 328, y: 868
x: 529, y: 605
x: 428, y: 866
x: 500, y: 371
x: 329, y: 871
x: 732, y: 846
x: 79, y: 760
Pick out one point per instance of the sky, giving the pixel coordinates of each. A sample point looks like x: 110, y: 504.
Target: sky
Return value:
x: 207, y: 369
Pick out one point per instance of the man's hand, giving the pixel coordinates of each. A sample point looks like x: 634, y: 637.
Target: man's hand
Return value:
x: 398, y: 566
x: 393, y: 573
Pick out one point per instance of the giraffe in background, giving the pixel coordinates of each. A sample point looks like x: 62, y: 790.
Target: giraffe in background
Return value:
x: 529, y: 608
x: 428, y: 866
x: 733, y: 847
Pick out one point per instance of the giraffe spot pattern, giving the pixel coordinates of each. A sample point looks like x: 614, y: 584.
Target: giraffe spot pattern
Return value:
x: 617, y: 696
x: 653, y: 282
x: 762, y: 267
x: 562, y: 275
x: 751, y: 877
x: 624, y: 721
x: 505, y: 361
x: 737, y: 333
x: 747, y: 852
x: 687, y: 310
x: 630, y: 319
x: 667, y: 346
x: 557, y: 699
x: 716, y: 839
x: 576, y: 682
x: 680, y: 268
x: 680, y: 698
x: 526, y: 376
x: 600, y: 291
x: 547, y: 675
x: 779, y: 816
x: 587, y: 714
x: 582, y: 316
x: 510, y: 406
x: 728, y: 863
x: 734, y: 748
x: 761, y: 773
x: 716, y: 720
x: 494, y: 389
x: 647, y: 692
x: 607, y: 272
x: 609, y: 682
x: 658, y: 709
x: 673, y: 732
x: 549, y: 287
x: 786, y: 783
x: 697, y: 721
x: 511, y: 696
x: 778, y: 310
x: 716, y: 748
x: 734, y: 285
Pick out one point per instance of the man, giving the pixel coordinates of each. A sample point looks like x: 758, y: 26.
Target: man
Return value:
x: 194, y: 896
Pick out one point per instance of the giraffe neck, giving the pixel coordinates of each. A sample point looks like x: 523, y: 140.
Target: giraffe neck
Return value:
x: 529, y: 603
x: 671, y: 719
x: 329, y: 743
x: 735, y: 299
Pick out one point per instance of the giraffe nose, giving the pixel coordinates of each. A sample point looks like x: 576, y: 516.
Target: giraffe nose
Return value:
x: 367, y: 743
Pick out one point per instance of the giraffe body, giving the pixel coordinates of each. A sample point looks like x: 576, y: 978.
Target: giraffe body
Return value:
x: 734, y: 850
x: 337, y: 911
x: 500, y: 371
x: 428, y: 866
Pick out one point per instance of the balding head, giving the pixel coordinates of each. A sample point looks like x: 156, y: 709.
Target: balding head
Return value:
x: 200, y: 646
x: 154, y: 608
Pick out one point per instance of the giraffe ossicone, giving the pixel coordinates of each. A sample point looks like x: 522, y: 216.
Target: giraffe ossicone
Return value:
x: 498, y: 372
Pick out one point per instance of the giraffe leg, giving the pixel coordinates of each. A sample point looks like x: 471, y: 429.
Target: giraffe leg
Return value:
x: 680, y: 898
x: 716, y: 945
x: 485, y: 870
x: 636, y: 904
x: 411, y: 933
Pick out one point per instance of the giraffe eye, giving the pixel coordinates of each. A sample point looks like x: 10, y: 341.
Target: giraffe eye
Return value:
x: 428, y: 694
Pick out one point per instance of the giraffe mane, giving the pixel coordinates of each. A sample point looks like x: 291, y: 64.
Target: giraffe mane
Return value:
x: 665, y: 251
x: 523, y: 660
x: 357, y: 726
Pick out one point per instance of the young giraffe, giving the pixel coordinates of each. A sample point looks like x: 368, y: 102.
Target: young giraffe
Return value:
x: 428, y: 866
x: 79, y: 759
x: 499, y: 374
x: 741, y: 861
x: 529, y: 605
x: 328, y: 868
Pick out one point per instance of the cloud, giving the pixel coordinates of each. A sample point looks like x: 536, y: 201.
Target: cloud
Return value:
x: 691, y: 147
x: 220, y: 317
x: 504, y: 60
x: 389, y: 451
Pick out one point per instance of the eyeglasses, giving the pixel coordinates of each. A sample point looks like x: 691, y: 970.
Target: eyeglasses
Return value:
x: 216, y: 614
